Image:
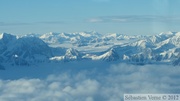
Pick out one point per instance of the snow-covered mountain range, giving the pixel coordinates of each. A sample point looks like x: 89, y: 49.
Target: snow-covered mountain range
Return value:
x: 163, y: 48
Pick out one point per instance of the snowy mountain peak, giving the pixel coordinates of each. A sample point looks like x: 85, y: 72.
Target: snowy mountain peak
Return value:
x: 72, y: 52
x: 30, y: 35
x: 6, y: 38
x: 167, y: 33
x: 84, y: 34
x: 178, y: 34
x: 71, y: 55
x: 141, y: 43
x: 113, y: 35
x: 110, y: 55
x: 49, y: 35
x: 92, y: 33
x: 53, y: 33
x: 25, y: 50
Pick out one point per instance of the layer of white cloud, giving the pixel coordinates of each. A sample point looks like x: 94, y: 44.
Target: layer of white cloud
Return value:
x: 135, y: 18
x: 94, y: 85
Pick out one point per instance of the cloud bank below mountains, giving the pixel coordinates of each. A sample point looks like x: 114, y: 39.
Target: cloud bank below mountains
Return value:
x: 94, y: 85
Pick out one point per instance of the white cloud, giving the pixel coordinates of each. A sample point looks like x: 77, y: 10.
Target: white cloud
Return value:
x: 101, y: 0
x: 94, y: 20
x: 135, y: 18
x: 94, y: 85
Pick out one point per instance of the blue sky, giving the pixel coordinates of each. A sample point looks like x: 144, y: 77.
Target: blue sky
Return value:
x: 104, y: 16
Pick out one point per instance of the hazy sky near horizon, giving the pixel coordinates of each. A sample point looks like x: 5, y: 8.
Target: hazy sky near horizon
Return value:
x: 104, y: 16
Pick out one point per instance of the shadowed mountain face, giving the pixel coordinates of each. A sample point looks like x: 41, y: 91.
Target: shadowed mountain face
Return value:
x: 177, y: 61
x: 23, y: 50
x: 90, y: 46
